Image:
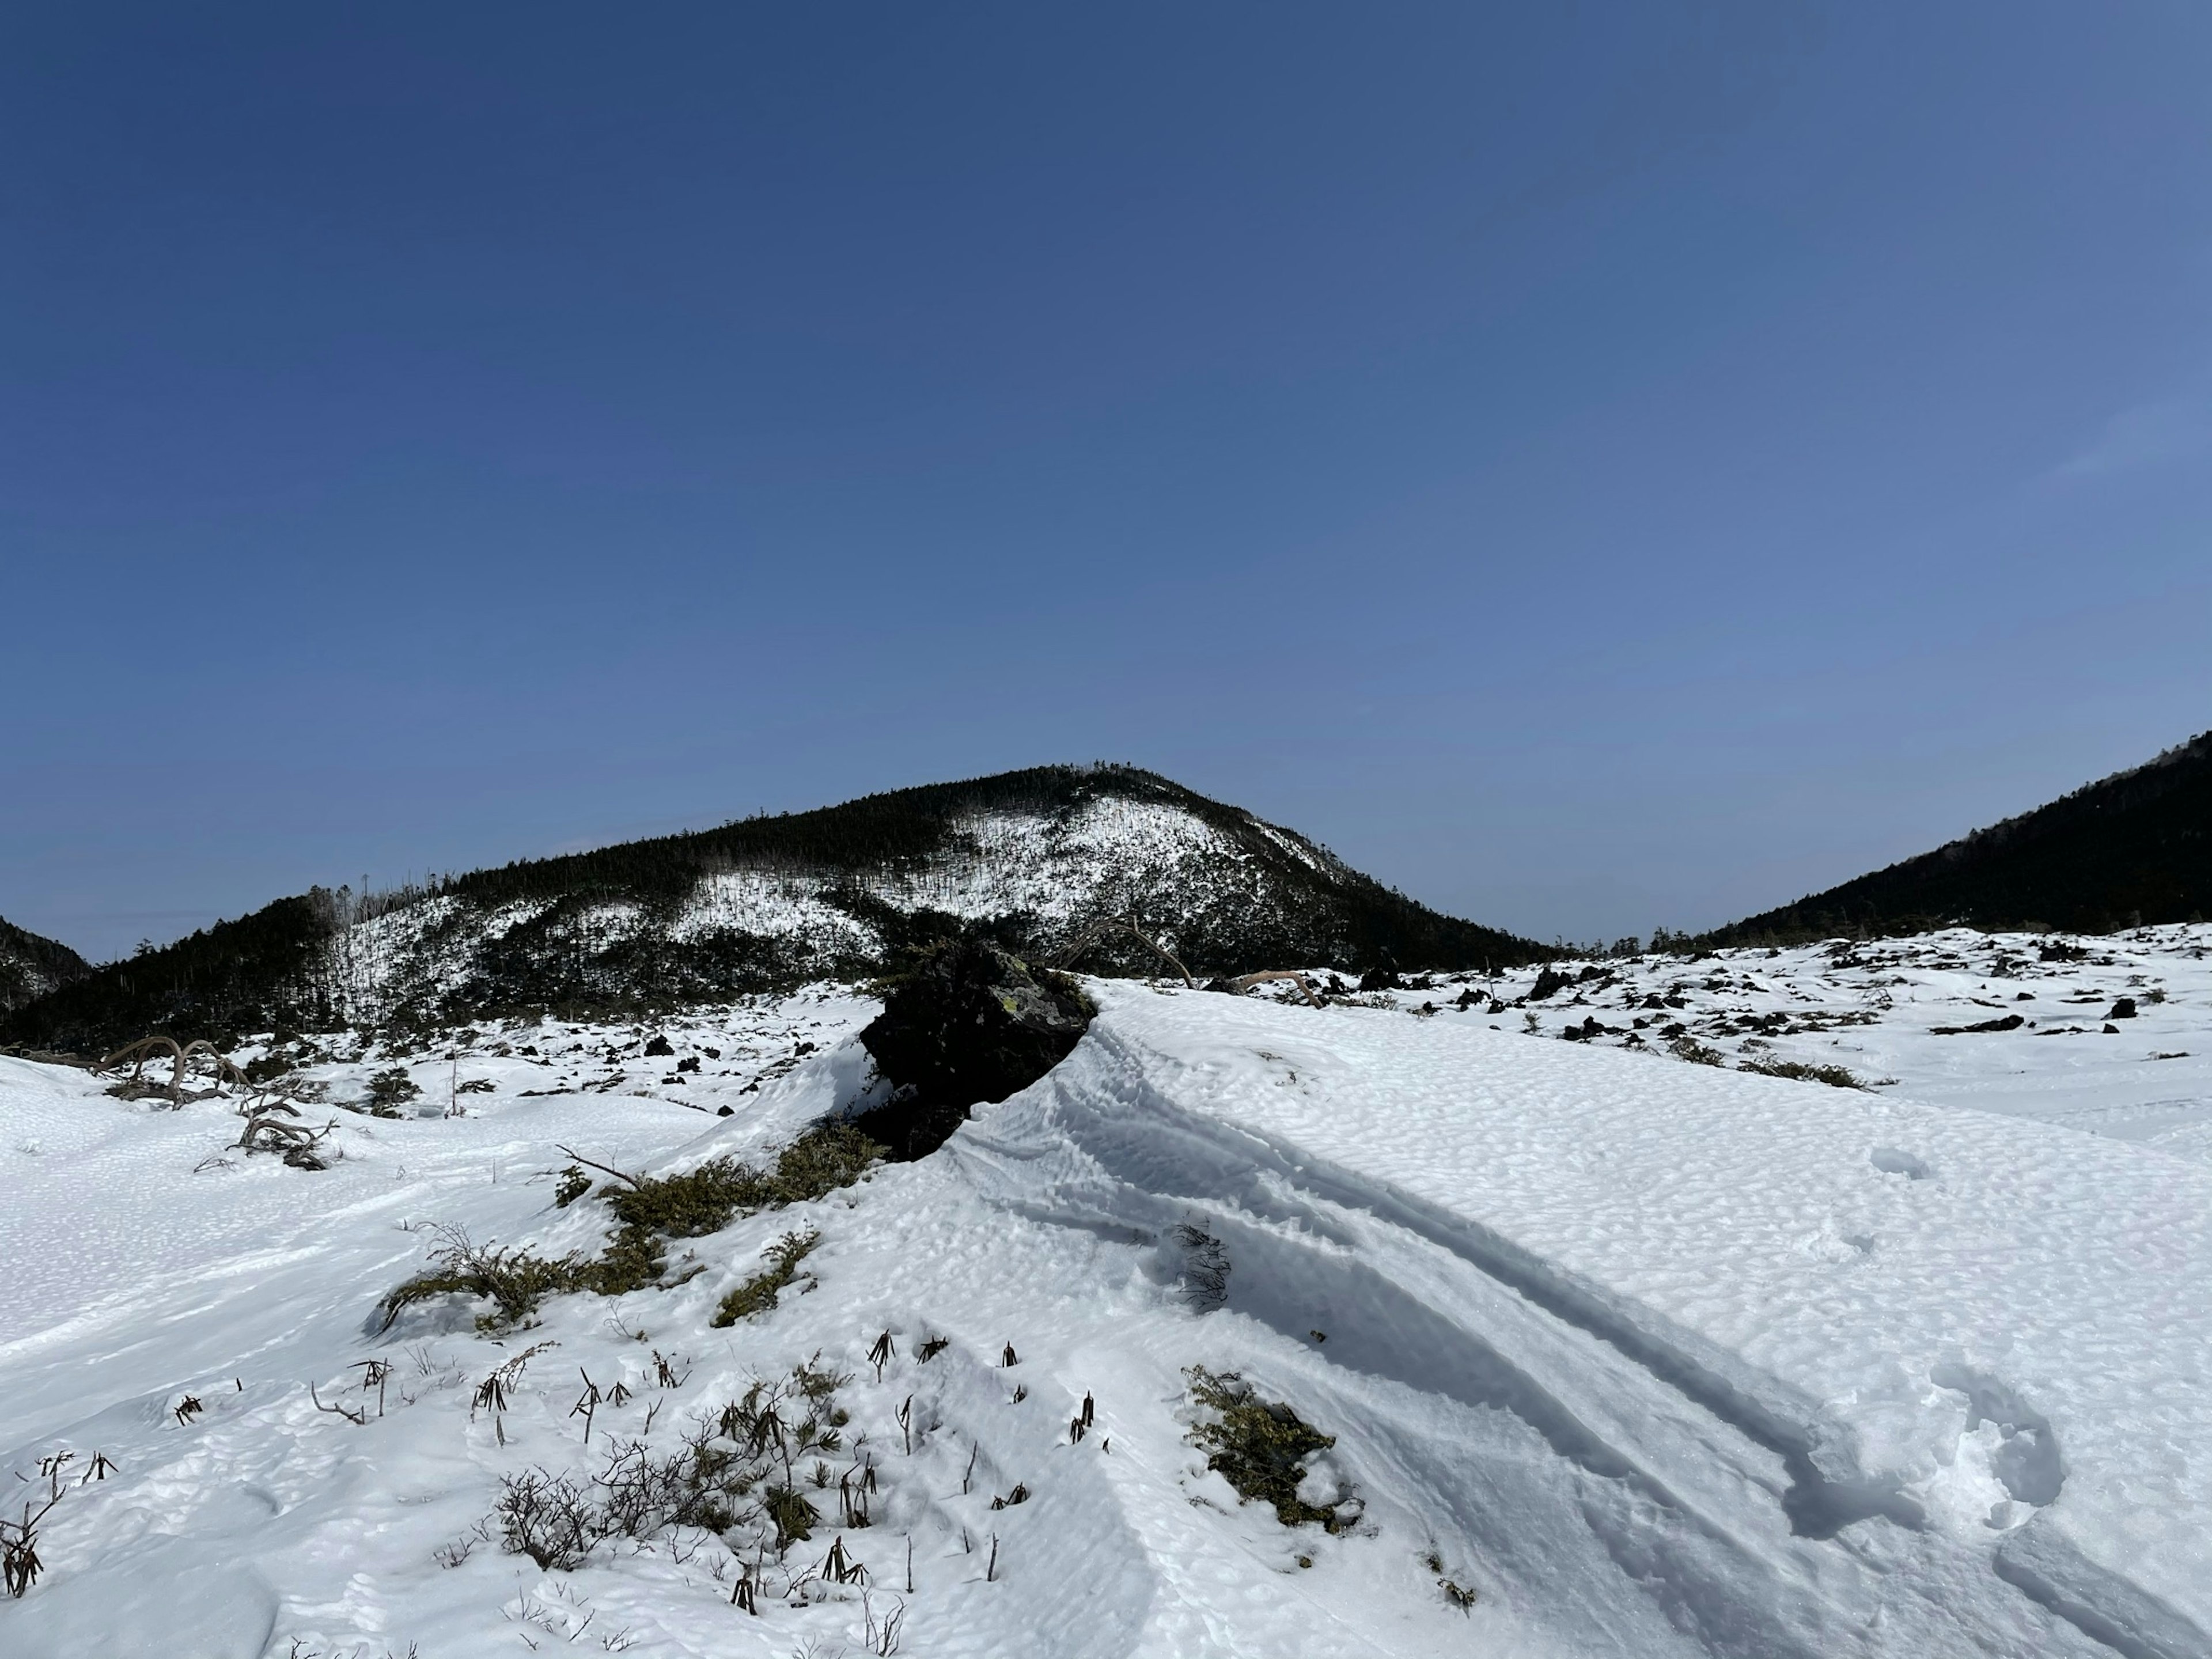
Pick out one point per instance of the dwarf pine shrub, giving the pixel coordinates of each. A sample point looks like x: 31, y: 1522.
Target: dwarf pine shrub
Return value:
x: 1836, y: 1077
x: 388, y: 1091
x: 649, y: 1210
x: 1259, y: 1446
x: 757, y: 1295
x: 737, y: 1472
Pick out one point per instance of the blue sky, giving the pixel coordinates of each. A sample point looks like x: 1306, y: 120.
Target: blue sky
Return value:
x: 1596, y: 466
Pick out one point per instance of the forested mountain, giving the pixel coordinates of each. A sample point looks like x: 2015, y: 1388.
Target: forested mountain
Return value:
x: 1032, y: 858
x: 2132, y: 849
x: 30, y: 966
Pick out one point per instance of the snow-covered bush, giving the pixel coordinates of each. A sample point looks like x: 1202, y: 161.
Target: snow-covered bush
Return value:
x: 1262, y: 1448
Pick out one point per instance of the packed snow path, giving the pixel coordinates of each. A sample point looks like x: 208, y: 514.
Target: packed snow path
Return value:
x: 1655, y: 1358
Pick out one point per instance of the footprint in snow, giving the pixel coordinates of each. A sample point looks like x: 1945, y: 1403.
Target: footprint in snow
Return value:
x: 1890, y: 1161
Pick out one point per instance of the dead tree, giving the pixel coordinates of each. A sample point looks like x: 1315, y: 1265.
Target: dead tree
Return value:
x: 1090, y: 937
x: 1244, y: 982
x: 147, y: 1048
x: 266, y: 1131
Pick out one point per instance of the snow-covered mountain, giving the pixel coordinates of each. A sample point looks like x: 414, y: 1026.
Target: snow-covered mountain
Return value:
x: 1033, y: 858
x: 32, y: 965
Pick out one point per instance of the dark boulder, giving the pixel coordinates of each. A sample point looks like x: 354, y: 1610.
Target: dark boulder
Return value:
x: 970, y: 1024
x: 2009, y: 1023
x: 2124, y: 1008
x: 1383, y: 975
x: 1548, y: 981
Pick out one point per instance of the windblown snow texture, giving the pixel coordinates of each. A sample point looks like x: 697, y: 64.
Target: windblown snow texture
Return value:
x: 1029, y: 858
x: 1653, y: 1358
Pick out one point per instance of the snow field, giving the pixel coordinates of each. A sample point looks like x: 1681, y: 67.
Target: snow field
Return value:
x: 1656, y: 1357
x: 1872, y: 1007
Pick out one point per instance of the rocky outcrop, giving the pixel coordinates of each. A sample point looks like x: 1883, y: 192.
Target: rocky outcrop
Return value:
x: 971, y: 1023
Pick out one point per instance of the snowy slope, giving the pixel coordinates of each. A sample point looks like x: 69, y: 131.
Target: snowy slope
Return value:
x: 1036, y: 857
x: 1656, y: 1358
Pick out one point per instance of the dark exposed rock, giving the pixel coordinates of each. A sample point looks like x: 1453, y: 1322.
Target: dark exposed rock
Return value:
x: 970, y: 1024
x: 1383, y: 975
x: 2009, y: 1023
x: 2123, y: 1008
x: 1548, y: 981
x: 659, y: 1045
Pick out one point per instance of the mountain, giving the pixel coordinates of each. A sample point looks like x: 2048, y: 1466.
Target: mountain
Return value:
x: 1030, y: 858
x: 2132, y: 848
x: 30, y: 966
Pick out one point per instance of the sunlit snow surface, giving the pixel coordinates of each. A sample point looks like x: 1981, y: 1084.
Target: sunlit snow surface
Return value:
x: 1657, y: 1357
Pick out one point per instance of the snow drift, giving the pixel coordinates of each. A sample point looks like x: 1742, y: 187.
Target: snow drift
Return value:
x: 1654, y: 1358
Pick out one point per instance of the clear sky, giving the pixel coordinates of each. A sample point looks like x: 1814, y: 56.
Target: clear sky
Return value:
x: 1594, y: 466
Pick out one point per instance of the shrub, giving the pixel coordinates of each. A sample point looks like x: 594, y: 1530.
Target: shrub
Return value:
x: 514, y: 1281
x: 792, y: 1515
x: 549, y: 1518
x: 1259, y: 1446
x: 757, y: 1295
x: 737, y: 1472
x: 705, y: 1199
x: 388, y: 1091
x: 1697, y: 1054
x: 572, y: 1185
x: 685, y: 1206
x: 1836, y: 1077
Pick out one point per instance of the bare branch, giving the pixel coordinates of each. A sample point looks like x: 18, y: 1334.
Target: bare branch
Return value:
x: 603, y: 1168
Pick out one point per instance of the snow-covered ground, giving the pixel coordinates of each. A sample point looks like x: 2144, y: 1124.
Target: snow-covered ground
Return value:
x: 1876, y: 1009
x: 1652, y: 1356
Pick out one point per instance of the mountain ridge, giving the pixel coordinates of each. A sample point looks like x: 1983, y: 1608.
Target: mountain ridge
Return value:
x: 1030, y: 859
x: 2123, y: 850
x: 31, y: 965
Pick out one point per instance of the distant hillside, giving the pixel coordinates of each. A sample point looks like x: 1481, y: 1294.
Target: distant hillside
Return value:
x: 30, y: 966
x: 2132, y: 849
x: 1030, y: 857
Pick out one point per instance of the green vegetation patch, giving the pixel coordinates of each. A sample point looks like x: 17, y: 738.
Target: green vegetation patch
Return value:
x: 705, y: 1199
x: 735, y: 1473
x: 1259, y: 1446
x: 1836, y: 1077
x: 647, y: 1211
x: 514, y: 1281
x: 757, y: 1295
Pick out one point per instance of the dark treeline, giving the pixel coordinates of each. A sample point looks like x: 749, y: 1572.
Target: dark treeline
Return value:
x: 240, y: 975
x: 2130, y: 849
x: 30, y: 964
